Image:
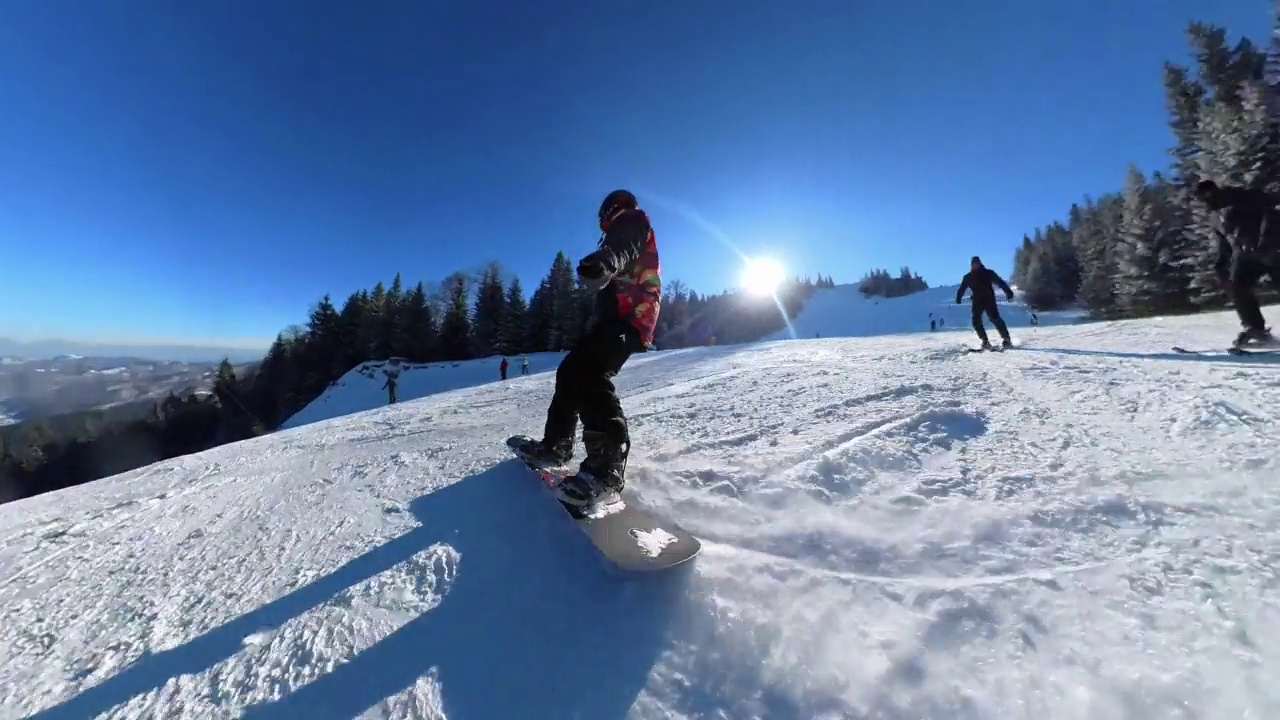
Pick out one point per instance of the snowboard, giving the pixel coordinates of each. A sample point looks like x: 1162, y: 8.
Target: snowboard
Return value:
x: 993, y: 348
x: 628, y: 535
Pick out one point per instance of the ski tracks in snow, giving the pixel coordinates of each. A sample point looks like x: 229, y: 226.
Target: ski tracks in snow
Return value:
x: 914, y: 522
x: 193, y: 596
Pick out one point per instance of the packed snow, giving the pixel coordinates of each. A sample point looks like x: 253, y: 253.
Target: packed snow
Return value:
x: 363, y: 387
x: 1082, y: 527
x: 845, y: 312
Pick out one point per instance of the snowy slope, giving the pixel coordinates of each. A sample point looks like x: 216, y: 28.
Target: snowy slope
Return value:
x: 361, y: 388
x: 842, y: 311
x: 1086, y: 527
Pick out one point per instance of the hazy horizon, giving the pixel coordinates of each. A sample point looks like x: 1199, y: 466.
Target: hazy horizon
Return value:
x: 26, y: 345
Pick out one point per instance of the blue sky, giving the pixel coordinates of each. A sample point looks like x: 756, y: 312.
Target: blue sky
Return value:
x: 205, y: 171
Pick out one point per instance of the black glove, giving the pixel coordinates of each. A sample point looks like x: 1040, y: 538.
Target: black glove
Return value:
x: 591, y: 274
x: 1008, y: 296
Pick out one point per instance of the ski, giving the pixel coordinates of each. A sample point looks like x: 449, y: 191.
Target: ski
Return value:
x: 1234, y: 351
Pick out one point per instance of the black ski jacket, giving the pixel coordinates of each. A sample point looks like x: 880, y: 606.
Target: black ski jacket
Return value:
x: 980, y: 281
x: 1250, y: 225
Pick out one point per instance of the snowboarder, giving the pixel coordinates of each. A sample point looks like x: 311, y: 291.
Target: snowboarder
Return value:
x: 980, y: 280
x: 625, y: 272
x: 390, y: 387
x: 1248, y: 248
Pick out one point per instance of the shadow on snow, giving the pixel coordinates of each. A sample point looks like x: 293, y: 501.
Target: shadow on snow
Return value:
x: 534, y: 624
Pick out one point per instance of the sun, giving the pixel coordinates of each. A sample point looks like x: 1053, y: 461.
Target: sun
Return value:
x: 762, y: 276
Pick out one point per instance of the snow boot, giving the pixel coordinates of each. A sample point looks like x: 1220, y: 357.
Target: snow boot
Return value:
x: 546, y: 454
x: 1255, y: 336
x: 602, y: 474
x: 1007, y: 343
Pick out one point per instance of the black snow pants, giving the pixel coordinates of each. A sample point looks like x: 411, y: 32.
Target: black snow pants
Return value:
x: 993, y: 311
x: 1246, y: 271
x: 584, y: 384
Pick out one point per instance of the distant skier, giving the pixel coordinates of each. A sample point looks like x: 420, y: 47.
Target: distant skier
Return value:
x: 1248, y: 248
x: 625, y: 272
x: 524, y: 364
x: 502, y: 369
x: 980, y: 280
x: 390, y: 387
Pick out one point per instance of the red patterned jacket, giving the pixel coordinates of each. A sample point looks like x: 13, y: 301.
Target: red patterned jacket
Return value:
x: 628, y: 255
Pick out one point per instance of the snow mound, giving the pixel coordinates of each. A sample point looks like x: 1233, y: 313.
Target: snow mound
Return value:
x: 843, y: 311
x: 361, y: 388
x: 1083, y: 527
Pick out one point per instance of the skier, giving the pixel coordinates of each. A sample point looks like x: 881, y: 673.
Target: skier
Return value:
x: 524, y: 364
x: 625, y: 272
x: 502, y: 368
x: 979, y: 280
x: 1248, y: 248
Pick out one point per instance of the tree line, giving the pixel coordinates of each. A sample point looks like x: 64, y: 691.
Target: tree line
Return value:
x: 879, y: 283
x: 1150, y: 247
x: 461, y: 318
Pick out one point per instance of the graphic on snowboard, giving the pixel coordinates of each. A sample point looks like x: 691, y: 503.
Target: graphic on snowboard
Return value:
x: 630, y: 536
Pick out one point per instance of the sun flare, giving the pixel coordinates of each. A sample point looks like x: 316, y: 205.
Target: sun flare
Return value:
x: 762, y: 276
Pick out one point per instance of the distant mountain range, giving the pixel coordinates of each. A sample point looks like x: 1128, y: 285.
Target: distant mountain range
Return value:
x: 45, y: 349
x: 33, y: 389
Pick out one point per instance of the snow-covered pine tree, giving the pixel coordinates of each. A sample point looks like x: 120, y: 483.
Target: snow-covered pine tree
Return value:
x: 1170, y: 281
x: 1138, y: 253
x: 1095, y: 253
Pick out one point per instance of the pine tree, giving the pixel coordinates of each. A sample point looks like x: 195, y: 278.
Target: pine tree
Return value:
x: 455, y: 326
x: 1097, y: 261
x: 490, y: 310
x: 512, y: 337
x: 419, y: 339
x: 324, y: 344
x: 351, y: 324
x: 540, y: 318
x: 390, y: 320
x: 563, y: 289
x: 1138, y: 255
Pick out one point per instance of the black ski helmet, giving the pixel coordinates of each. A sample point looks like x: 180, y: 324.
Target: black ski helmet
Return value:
x: 614, y: 203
